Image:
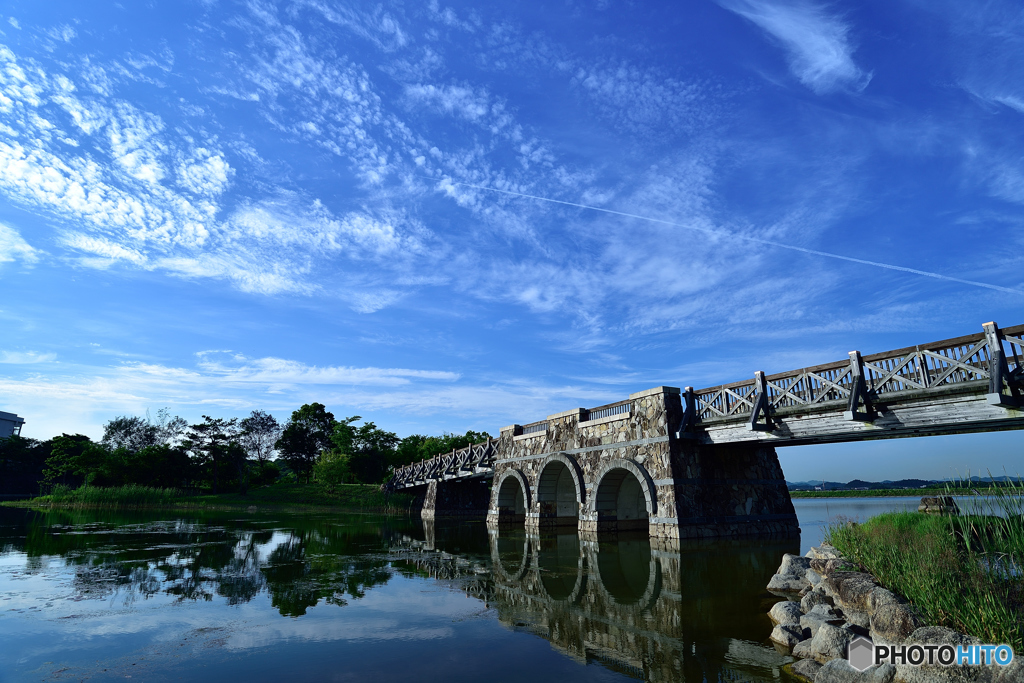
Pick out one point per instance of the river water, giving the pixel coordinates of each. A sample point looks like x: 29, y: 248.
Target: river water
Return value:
x: 327, y: 597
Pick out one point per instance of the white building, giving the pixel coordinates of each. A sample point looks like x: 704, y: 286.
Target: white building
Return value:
x: 10, y: 424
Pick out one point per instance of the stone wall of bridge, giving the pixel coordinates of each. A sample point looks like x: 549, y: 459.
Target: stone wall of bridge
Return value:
x: 627, y: 471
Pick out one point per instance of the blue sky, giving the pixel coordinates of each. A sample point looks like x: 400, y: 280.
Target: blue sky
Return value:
x: 220, y: 206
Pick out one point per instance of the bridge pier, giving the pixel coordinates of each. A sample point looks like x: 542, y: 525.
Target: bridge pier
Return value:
x: 456, y: 499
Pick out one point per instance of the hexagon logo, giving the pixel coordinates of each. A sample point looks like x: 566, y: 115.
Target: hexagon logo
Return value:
x: 861, y: 653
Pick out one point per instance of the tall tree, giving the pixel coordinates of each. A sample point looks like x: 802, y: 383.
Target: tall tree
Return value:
x: 209, y: 440
x: 258, y: 435
x: 307, y: 434
x: 74, y: 456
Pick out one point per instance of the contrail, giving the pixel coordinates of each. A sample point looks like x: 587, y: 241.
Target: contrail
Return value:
x: 756, y: 240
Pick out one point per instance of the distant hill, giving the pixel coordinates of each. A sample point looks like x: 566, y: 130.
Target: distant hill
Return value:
x: 860, y: 484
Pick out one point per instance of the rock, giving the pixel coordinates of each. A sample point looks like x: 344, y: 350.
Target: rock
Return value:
x: 826, y: 567
x: 1013, y: 673
x: 787, y: 634
x: 813, y: 599
x: 785, y: 612
x: 851, y: 588
x: 840, y: 671
x: 807, y: 668
x: 825, y: 552
x: 803, y: 649
x: 813, y: 577
x: 881, y: 596
x: 813, y: 621
x: 859, y: 618
x: 787, y: 583
x: 830, y: 642
x: 794, y: 564
x: 939, y: 504
x: 892, y: 622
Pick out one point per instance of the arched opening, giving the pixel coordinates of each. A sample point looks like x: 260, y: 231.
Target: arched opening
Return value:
x: 557, y: 497
x: 560, y: 565
x: 511, y: 501
x: 620, y: 502
x: 627, y: 571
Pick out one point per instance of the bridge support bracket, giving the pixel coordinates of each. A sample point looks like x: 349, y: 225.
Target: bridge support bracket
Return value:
x: 858, y: 393
x: 999, y: 372
x: 688, y: 426
x: 762, y: 406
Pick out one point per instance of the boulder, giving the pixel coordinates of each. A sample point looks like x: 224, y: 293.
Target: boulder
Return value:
x: 881, y: 596
x: 803, y: 649
x: 813, y: 621
x: 851, y: 588
x: 825, y: 552
x: 787, y: 635
x: 813, y: 577
x: 813, y: 599
x: 893, y: 622
x: 794, y: 564
x: 840, y: 671
x: 808, y: 668
x: 788, y: 583
x: 859, y: 618
x: 785, y: 612
x: 830, y: 642
x: 939, y: 504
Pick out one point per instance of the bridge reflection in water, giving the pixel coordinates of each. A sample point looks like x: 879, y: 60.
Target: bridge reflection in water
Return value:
x: 696, y: 612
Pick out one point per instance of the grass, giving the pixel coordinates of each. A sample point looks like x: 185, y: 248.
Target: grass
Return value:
x: 961, y: 571
x: 349, y: 497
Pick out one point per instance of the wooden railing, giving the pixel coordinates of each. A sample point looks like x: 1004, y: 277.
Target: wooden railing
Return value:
x: 460, y: 462
x: 878, y: 377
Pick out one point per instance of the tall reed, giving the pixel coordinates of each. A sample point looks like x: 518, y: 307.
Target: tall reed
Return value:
x: 959, y: 570
x: 128, y: 496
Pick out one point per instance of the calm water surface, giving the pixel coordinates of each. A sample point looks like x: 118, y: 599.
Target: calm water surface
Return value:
x: 102, y: 596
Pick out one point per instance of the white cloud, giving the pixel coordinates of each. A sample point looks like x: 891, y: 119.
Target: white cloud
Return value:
x: 817, y: 42
x: 14, y: 248
x: 26, y: 357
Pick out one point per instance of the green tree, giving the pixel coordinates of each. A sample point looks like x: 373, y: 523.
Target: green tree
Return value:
x: 208, y: 441
x: 22, y: 461
x: 73, y: 456
x: 258, y: 435
x: 307, y: 434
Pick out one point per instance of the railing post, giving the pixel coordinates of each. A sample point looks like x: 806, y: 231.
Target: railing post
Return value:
x: 999, y: 371
x: 690, y: 419
x: 858, y: 392
x: 762, y: 406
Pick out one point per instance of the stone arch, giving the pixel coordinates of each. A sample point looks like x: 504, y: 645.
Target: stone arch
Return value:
x: 627, y: 573
x: 560, y: 490
x: 625, y: 496
x: 506, y: 547
x: 560, y: 567
x: 513, y: 496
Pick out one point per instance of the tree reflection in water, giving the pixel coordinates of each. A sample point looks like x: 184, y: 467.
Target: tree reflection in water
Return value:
x: 298, y: 564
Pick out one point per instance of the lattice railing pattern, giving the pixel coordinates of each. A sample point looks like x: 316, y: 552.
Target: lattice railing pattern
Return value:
x: 920, y: 368
x: 459, y: 462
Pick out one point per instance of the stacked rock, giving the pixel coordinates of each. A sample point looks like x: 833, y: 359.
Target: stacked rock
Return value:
x: 829, y: 603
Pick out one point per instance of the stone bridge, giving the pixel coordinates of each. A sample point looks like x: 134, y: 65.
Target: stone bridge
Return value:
x: 700, y: 463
